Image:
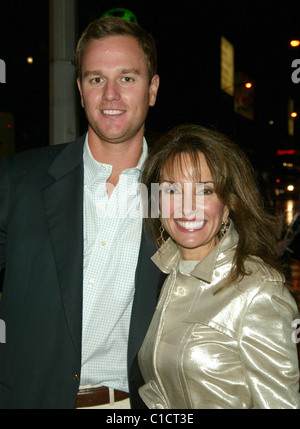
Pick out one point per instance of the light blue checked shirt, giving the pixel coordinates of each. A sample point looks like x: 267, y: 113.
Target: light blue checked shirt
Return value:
x: 112, y: 237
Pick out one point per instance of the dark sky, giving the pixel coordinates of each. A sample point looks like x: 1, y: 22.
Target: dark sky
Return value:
x: 187, y: 36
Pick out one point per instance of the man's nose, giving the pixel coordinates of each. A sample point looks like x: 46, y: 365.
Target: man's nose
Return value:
x: 111, y: 91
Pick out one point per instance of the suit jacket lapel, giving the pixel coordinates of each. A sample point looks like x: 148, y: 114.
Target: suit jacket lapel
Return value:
x: 63, y: 203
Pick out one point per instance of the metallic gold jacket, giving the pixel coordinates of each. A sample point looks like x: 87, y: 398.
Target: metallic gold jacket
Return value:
x: 233, y: 349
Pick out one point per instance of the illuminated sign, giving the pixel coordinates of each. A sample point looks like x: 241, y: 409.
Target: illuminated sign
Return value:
x: 121, y: 13
x: 286, y: 152
x: 227, y: 66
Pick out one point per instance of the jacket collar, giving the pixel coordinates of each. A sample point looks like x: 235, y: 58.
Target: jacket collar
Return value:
x: 167, y: 257
x: 68, y: 159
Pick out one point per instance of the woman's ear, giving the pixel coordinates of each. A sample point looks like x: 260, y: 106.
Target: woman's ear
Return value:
x: 225, y: 213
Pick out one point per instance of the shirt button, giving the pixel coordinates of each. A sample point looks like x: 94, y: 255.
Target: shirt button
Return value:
x: 75, y: 377
x: 103, y: 243
x: 104, y: 168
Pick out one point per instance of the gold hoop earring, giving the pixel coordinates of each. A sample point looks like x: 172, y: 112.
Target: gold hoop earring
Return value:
x: 160, y: 241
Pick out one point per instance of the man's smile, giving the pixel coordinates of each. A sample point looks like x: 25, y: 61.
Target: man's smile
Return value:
x: 113, y: 112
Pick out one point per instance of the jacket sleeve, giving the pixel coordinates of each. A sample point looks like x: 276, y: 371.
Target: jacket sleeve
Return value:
x: 4, y: 198
x: 268, y: 352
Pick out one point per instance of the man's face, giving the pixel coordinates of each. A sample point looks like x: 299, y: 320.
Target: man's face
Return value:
x: 115, y: 90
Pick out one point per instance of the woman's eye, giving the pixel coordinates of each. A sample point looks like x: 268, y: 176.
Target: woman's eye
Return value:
x: 204, y: 191
x: 173, y: 190
x: 169, y: 190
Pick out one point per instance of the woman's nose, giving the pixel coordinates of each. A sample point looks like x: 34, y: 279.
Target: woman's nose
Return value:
x: 192, y: 204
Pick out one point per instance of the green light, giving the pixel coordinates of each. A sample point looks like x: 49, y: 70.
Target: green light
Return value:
x: 121, y: 13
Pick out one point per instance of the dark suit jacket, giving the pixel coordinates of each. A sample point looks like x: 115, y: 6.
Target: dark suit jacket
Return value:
x: 41, y: 247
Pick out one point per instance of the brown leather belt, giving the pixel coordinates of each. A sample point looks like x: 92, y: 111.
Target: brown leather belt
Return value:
x: 97, y: 396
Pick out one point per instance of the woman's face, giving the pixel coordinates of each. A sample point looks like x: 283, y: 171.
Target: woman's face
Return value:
x: 191, y: 212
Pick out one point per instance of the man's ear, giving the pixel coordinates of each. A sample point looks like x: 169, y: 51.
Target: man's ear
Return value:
x: 153, y: 89
x: 80, y: 91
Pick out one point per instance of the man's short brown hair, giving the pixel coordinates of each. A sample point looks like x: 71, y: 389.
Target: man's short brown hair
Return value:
x: 112, y: 26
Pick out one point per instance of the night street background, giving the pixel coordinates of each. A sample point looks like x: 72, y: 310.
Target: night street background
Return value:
x: 188, y: 42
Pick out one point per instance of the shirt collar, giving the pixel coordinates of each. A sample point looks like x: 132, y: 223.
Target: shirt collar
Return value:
x: 167, y: 257
x: 94, y: 169
x: 144, y: 156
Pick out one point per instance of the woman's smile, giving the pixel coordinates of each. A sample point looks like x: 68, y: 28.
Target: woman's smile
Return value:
x: 189, y: 225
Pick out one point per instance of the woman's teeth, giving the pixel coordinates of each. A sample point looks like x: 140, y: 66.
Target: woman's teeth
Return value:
x: 190, y: 225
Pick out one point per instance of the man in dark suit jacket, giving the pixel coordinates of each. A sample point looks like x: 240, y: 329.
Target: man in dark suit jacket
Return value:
x: 42, y: 228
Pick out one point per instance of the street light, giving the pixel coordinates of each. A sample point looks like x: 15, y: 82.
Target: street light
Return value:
x: 294, y: 43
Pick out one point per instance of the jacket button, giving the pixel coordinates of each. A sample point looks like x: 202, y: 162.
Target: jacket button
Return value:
x: 75, y: 377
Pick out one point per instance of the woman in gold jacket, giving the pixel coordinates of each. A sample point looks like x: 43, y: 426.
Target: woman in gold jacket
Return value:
x: 222, y: 333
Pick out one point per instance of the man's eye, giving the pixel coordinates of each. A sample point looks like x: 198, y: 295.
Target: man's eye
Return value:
x: 96, y: 80
x: 127, y: 79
